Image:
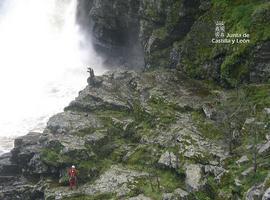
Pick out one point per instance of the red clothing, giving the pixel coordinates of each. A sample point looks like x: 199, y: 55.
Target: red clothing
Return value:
x: 72, y: 173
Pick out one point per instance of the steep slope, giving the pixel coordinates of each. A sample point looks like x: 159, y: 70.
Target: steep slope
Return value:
x: 147, y: 135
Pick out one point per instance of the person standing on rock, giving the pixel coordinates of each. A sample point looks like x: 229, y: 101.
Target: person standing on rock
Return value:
x: 72, y: 173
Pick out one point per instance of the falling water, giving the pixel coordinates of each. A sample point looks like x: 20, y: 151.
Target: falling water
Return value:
x: 42, y: 63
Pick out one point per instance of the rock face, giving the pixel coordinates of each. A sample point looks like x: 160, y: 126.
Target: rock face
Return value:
x: 193, y: 177
x: 178, y: 194
x: 242, y: 160
x: 254, y: 192
x: 114, y: 180
x: 114, y: 26
x: 168, y: 159
x: 265, y: 148
x: 178, y: 34
x: 136, y: 135
x: 266, y: 195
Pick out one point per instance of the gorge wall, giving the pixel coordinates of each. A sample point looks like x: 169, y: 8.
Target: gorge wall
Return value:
x: 156, y: 133
x: 178, y: 34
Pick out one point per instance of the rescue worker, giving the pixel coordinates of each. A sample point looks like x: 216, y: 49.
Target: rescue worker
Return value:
x: 72, y: 173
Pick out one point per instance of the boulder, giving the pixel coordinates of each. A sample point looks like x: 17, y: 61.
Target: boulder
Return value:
x: 247, y: 171
x: 193, y: 177
x: 168, y: 159
x: 114, y: 180
x: 217, y: 171
x: 237, y: 182
x: 72, y: 122
x: 140, y: 197
x: 265, y: 148
x: 178, y: 194
x: 25, y: 148
x: 266, y: 195
x: 36, y: 166
x: 267, y: 111
x: 242, y: 160
x: 254, y: 193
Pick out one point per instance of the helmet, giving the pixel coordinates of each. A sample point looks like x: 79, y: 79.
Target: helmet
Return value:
x: 72, y: 166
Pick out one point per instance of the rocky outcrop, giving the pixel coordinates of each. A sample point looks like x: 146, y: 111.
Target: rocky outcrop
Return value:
x: 264, y: 149
x: 140, y: 197
x: 168, y: 159
x: 135, y: 135
x: 178, y: 194
x: 178, y: 34
x: 193, y: 177
x: 242, y: 160
x: 114, y: 180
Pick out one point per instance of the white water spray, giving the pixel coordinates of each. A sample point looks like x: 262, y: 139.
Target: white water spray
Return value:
x: 42, y: 66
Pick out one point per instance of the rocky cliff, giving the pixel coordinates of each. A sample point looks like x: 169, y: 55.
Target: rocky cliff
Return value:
x: 178, y: 34
x: 157, y: 133
x: 147, y: 135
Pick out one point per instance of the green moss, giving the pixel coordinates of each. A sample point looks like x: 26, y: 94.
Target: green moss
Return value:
x: 143, y: 156
x: 209, y: 129
x: 159, y: 58
x: 50, y: 157
x: 173, y: 16
x: 248, y: 16
x: 159, y: 182
x: 258, y: 95
x: 160, y: 33
x: 86, y: 131
x: 163, y: 111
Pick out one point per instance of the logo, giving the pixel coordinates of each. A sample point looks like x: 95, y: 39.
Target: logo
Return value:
x: 221, y: 37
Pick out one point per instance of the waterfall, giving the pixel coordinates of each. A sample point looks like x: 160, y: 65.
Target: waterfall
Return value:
x: 43, y: 63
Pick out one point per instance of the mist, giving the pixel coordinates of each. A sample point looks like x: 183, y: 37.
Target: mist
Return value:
x: 43, y: 63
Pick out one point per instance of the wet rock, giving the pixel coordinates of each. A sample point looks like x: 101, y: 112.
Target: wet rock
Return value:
x: 114, y: 26
x: 168, y: 159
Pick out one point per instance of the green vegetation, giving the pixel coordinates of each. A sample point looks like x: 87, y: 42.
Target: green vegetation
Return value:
x: 207, y: 127
x: 243, y: 17
x: 131, y: 140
